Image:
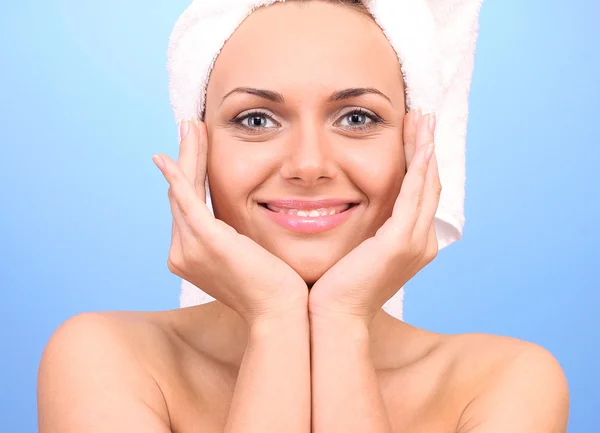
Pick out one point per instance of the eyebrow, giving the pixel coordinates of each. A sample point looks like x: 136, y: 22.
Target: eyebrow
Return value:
x: 335, y: 96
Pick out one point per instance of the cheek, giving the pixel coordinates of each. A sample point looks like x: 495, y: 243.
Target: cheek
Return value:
x: 379, y: 174
x: 234, y: 167
x: 381, y: 186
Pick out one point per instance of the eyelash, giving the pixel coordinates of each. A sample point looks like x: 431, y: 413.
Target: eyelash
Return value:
x: 237, y: 121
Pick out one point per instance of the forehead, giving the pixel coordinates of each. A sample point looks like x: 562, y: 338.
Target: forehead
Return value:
x: 306, y: 46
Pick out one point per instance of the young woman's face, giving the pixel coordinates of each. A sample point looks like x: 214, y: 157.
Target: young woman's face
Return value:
x: 304, y: 144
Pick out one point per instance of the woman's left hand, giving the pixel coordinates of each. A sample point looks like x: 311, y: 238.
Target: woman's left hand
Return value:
x: 359, y: 284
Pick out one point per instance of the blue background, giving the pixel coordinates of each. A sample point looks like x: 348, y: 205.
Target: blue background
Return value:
x: 85, y: 223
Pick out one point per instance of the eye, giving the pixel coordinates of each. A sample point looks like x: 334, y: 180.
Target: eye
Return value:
x: 255, y: 120
x: 359, y: 119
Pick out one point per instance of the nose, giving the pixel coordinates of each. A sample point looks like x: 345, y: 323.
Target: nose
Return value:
x: 309, y: 158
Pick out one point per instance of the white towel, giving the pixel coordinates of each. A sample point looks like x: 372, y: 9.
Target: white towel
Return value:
x: 435, y: 43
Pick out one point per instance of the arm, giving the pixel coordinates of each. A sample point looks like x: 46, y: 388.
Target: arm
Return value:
x: 531, y: 395
x: 272, y: 392
x: 90, y: 380
x: 345, y: 389
x: 348, y: 295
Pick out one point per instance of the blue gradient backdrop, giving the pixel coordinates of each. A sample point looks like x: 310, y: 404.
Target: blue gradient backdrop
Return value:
x: 85, y: 223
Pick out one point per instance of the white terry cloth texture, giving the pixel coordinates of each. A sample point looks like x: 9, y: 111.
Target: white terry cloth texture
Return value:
x: 435, y: 42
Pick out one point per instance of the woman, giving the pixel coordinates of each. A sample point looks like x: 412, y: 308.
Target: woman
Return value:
x: 297, y: 340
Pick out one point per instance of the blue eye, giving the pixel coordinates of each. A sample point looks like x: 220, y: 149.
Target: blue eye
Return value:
x: 255, y: 120
x: 356, y: 119
x: 359, y: 119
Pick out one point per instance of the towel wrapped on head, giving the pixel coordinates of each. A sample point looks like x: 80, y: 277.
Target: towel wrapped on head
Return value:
x: 435, y: 43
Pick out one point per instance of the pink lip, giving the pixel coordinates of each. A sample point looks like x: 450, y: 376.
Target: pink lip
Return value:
x: 290, y: 203
x: 307, y: 224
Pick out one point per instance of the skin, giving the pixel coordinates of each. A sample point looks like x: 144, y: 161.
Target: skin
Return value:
x: 307, y: 156
x: 177, y: 369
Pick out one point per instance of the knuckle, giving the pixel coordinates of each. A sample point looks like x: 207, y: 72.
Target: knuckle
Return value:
x: 215, y: 233
x: 397, y: 237
x: 413, y: 248
x: 431, y: 250
x: 432, y: 253
x: 175, y: 173
x: 175, y: 266
x: 185, y: 209
x: 187, y: 260
x: 416, y: 247
x: 402, y: 248
x: 438, y: 187
x: 204, y: 234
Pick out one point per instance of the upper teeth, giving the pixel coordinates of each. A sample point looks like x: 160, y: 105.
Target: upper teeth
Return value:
x: 308, y: 213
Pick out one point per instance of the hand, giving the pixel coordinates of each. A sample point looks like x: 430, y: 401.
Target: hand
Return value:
x: 362, y: 281
x: 212, y: 255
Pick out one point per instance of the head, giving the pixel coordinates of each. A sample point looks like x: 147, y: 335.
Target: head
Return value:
x: 275, y: 131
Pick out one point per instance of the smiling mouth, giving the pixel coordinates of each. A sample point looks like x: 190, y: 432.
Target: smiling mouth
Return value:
x: 310, y: 213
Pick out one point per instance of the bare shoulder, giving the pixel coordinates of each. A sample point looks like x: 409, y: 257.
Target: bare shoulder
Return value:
x: 93, y: 375
x: 477, y: 358
x: 482, y: 359
x: 511, y: 384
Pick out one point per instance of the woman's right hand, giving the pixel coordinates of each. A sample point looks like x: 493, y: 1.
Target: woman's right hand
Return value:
x: 212, y: 255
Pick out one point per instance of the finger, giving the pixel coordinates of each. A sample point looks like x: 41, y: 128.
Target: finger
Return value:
x: 408, y: 205
x: 425, y: 130
x: 201, y: 161
x: 195, y: 213
x: 425, y: 136
x: 185, y: 161
x: 188, y: 150
x: 431, y: 200
x: 409, y: 135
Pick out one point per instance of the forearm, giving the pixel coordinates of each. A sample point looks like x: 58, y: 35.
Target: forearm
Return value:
x: 345, y: 390
x: 272, y: 392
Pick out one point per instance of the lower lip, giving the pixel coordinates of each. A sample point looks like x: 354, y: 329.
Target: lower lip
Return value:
x: 307, y: 224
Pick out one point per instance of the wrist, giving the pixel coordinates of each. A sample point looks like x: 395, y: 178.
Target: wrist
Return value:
x: 280, y: 320
x: 323, y: 314
x: 292, y: 305
x: 338, y: 325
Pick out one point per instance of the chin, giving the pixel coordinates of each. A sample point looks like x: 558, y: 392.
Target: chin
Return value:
x: 310, y: 266
x: 310, y: 277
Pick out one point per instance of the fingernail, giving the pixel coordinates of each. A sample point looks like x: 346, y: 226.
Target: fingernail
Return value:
x: 432, y: 122
x: 183, y: 129
x: 419, y: 115
x: 159, y: 162
x: 415, y: 115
